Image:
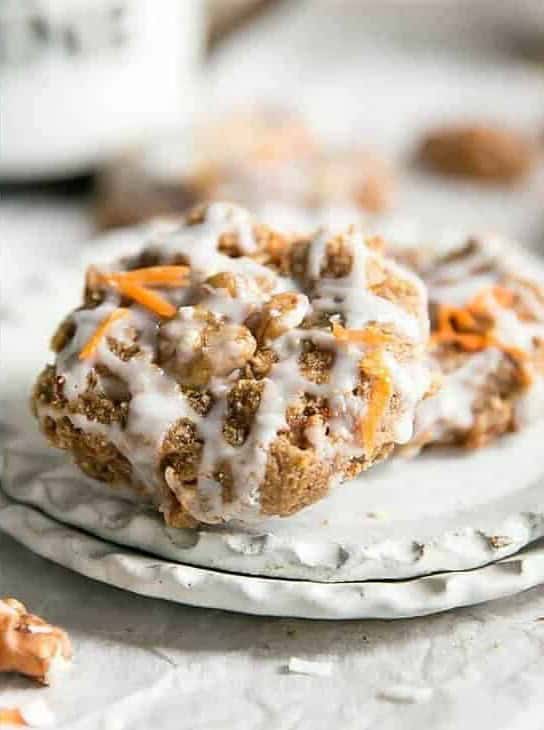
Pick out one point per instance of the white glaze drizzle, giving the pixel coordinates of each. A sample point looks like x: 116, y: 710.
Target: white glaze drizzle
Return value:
x: 350, y: 295
x: 452, y: 409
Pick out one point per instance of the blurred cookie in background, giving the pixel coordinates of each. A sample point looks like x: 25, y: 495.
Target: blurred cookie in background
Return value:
x: 484, y: 152
x: 354, y: 176
x: 132, y: 189
x: 252, y: 156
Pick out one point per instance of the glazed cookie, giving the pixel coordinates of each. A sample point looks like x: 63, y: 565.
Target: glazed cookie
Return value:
x: 230, y: 372
x: 487, y: 318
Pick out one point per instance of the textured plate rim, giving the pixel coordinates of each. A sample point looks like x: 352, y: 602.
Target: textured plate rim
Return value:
x: 44, y: 479
x: 156, y: 578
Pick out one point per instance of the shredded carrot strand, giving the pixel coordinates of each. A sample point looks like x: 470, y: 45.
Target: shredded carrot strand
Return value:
x: 372, y: 364
x: 504, y: 296
x: 462, y: 318
x: 135, y: 285
x: 93, y: 342
x: 459, y: 326
x: 501, y: 294
x: 471, y: 342
x: 11, y: 716
x: 165, y: 276
x: 368, y: 336
x: 147, y: 298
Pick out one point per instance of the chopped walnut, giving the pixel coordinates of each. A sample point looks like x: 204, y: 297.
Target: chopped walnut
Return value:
x: 181, y: 450
x: 260, y: 364
x: 306, y: 412
x: 315, y: 364
x: 338, y: 260
x: 63, y: 335
x: 228, y: 348
x: 48, y: 390
x: 29, y: 645
x: 479, y: 151
x: 196, y: 346
x: 229, y: 245
x: 280, y: 314
x: 242, y: 405
x: 225, y: 281
x: 201, y: 400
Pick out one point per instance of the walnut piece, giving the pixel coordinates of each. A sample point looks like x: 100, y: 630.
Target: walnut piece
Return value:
x: 479, y: 151
x: 29, y: 645
x: 280, y: 314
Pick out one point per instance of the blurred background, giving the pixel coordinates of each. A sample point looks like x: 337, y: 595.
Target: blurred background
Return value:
x: 144, y: 108
x: 414, y: 115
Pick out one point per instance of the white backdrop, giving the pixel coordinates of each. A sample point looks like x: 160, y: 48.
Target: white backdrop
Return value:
x: 143, y: 664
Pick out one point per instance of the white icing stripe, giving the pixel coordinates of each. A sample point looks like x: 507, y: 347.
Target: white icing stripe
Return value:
x: 317, y: 253
x: 350, y: 296
x: 156, y: 401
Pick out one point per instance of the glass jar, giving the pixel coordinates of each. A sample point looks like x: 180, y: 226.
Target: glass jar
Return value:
x: 82, y: 79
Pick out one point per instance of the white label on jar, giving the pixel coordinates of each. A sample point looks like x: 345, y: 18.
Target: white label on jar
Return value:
x: 29, y: 32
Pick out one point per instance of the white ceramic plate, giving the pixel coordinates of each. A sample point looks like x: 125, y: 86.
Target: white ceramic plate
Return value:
x: 150, y: 576
x: 440, y: 512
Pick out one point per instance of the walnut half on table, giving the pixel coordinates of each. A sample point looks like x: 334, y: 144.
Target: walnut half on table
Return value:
x: 29, y: 645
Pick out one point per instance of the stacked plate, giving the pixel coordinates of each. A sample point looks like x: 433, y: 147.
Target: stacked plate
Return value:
x: 408, y: 539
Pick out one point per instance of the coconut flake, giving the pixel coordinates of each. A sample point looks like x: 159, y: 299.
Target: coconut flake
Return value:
x: 312, y: 668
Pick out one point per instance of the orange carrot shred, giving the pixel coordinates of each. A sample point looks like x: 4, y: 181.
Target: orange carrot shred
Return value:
x: 501, y: 294
x: 12, y: 716
x: 380, y: 396
x: 372, y: 364
x: 458, y: 325
x: 469, y: 342
x: 165, y: 276
x: 463, y: 318
x: 504, y: 296
x: 368, y: 336
x: 147, y: 298
x: 93, y: 342
x: 135, y: 285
